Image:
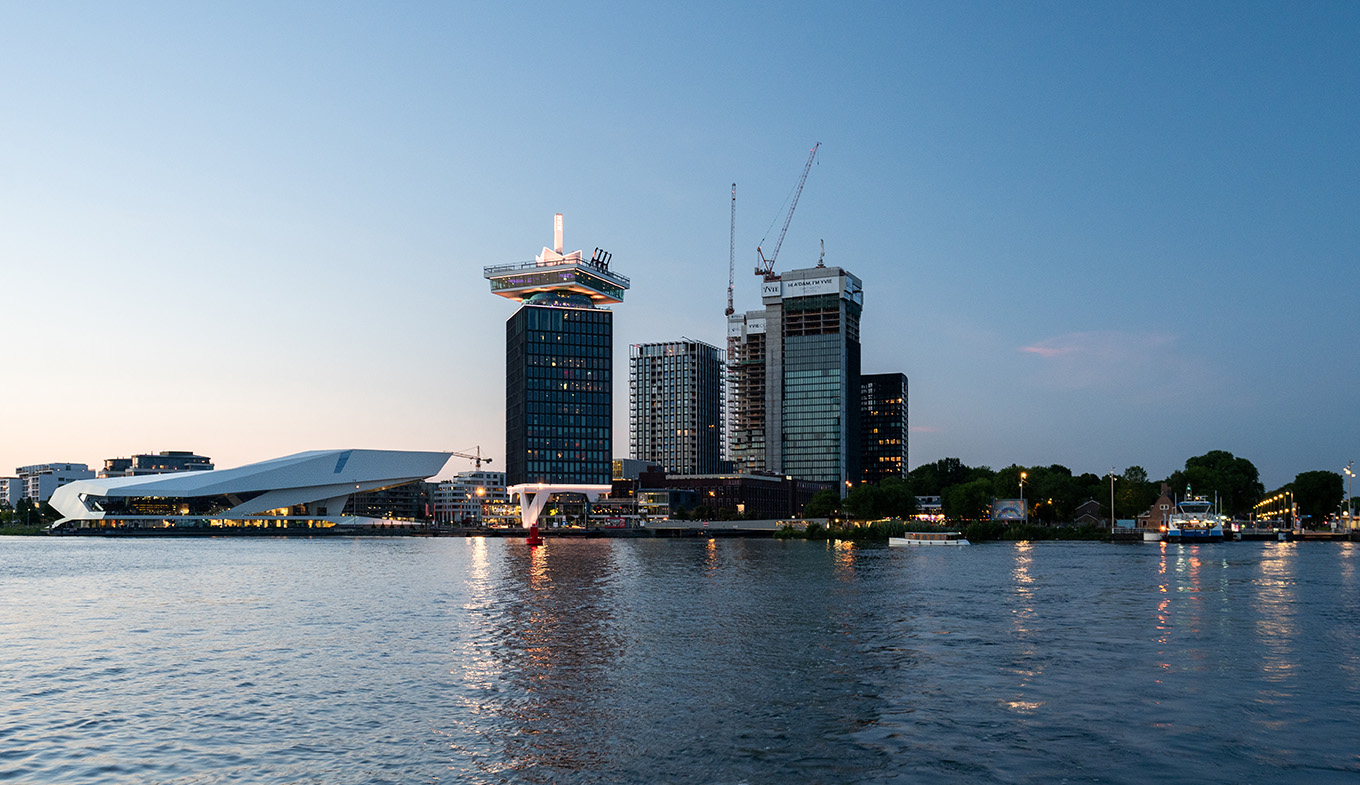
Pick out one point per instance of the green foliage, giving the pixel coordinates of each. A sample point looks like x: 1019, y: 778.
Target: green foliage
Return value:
x: 823, y: 504
x: 1318, y: 494
x: 968, y: 501
x: 890, y: 498
x: 1235, y: 480
x: 1134, y: 494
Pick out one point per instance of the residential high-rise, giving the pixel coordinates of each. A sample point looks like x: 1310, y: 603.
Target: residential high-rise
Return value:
x: 675, y: 413
x: 558, y: 368
x: 883, y: 426
x: 796, y: 377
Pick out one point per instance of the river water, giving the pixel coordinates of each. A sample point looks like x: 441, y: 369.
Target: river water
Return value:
x: 639, y: 661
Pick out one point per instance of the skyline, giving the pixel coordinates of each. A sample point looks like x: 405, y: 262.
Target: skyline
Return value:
x: 1094, y: 236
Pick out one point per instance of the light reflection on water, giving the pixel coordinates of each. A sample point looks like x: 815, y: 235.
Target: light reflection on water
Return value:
x: 357, y: 661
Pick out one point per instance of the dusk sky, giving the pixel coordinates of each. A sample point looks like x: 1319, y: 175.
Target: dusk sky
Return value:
x: 1094, y: 234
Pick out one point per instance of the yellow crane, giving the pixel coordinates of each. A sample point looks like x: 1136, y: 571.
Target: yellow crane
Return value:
x: 475, y: 456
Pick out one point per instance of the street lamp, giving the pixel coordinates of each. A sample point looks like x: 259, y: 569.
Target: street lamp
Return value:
x: 1350, y: 488
x: 1112, y: 479
x: 1023, y: 509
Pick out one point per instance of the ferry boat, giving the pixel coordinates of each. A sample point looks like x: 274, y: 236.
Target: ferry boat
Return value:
x: 912, y: 539
x: 1194, y: 521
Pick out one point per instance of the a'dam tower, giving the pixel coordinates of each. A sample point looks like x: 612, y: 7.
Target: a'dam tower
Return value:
x: 558, y: 373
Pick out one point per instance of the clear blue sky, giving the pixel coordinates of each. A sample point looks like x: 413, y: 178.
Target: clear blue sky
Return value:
x: 1094, y: 234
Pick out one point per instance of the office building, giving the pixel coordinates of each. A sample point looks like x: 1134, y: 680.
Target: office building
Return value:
x: 796, y: 377
x: 675, y: 415
x: 558, y: 370
x: 156, y: 463
x: 883, y: 426
x: 42, y: 480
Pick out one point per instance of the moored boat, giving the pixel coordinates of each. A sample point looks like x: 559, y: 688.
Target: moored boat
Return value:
x: 911, y: 539
x: 1194, y: 521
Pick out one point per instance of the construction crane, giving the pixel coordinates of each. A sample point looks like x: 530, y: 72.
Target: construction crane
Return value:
x: 766, y: 266
x: 475, y: 457
x: 732, y: 253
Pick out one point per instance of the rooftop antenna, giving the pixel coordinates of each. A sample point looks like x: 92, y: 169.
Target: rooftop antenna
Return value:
x: 821, y: 260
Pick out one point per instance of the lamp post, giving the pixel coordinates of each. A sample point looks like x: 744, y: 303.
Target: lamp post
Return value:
x: 1350, y: 512
x: 1024, y: 510
x: 1112, y: 516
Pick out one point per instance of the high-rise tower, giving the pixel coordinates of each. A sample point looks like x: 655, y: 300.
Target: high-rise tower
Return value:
x: 797, y: 377
x: 676, y: 405
x: 559, y: 369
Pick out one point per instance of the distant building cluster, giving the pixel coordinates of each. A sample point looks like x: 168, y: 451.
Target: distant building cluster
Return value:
x: 754, y: 430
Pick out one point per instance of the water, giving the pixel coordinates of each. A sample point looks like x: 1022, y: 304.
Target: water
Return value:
x: 743, y: 661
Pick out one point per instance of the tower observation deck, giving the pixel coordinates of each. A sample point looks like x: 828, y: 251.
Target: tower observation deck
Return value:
x: 559, y: 358
x: 564, y: 274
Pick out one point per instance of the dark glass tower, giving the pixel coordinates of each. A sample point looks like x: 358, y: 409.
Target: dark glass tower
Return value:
x: 558, y: 403
x: 558, y: 366
x: 883, y: 426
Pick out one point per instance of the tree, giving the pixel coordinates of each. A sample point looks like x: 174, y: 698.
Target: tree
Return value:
x: 822, y: 504
x: 1235, y: 480
x: 968, y: 501
x: 1134, y: 493
x: 930, y: 479
x: 1317, y: 494
x: 890, y: 498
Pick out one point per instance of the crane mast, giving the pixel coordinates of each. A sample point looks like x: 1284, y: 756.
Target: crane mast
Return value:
x: 766, y: 266
x: 732, y: 253
x: 476, y: 459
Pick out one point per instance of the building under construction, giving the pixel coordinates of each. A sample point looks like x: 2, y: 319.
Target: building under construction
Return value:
x: 795, y: 369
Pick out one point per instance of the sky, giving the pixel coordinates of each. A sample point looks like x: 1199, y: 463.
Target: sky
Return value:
x: 1092, y: 234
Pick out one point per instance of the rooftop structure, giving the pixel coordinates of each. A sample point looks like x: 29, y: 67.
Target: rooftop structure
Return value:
x: 554, y: 272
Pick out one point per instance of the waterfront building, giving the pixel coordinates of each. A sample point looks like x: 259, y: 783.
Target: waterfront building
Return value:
x: 675, y: 412
x: 795, y: 370
x: 465, y: 498
x: 883, y: 426
x: 558, y: 372
x: 406, y: 502
x: 759, y: 496
x: 40, y: 481
x: 307, y: 490
x: 155, y: 463
x: 11, y: 491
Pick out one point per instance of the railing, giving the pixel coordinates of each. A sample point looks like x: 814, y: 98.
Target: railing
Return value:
x: 516, y: 267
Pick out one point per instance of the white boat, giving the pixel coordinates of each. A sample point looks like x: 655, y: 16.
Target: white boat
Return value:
x: 912, y: 539
x: 1194, y: 521
x: 1153, y: 535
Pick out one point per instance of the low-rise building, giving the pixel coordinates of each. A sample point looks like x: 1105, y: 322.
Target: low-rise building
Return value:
x: 760, y: 496
x: 41, y: 480
x: 11, y: 491
x: 464, y: 499
x: 155, y: 463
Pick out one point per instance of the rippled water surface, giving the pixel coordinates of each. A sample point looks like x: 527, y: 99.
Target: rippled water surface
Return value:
x: 742, y: 661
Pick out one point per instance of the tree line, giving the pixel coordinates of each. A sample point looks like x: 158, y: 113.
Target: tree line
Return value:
x: 1053, y: 493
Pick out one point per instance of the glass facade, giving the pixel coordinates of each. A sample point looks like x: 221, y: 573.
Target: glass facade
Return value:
x: 558, y: 389
x: 676, y: 405
x: 821, y: 381
x: 883, y: 426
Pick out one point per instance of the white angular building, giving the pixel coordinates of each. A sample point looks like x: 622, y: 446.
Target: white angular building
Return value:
x: 306, y: 490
